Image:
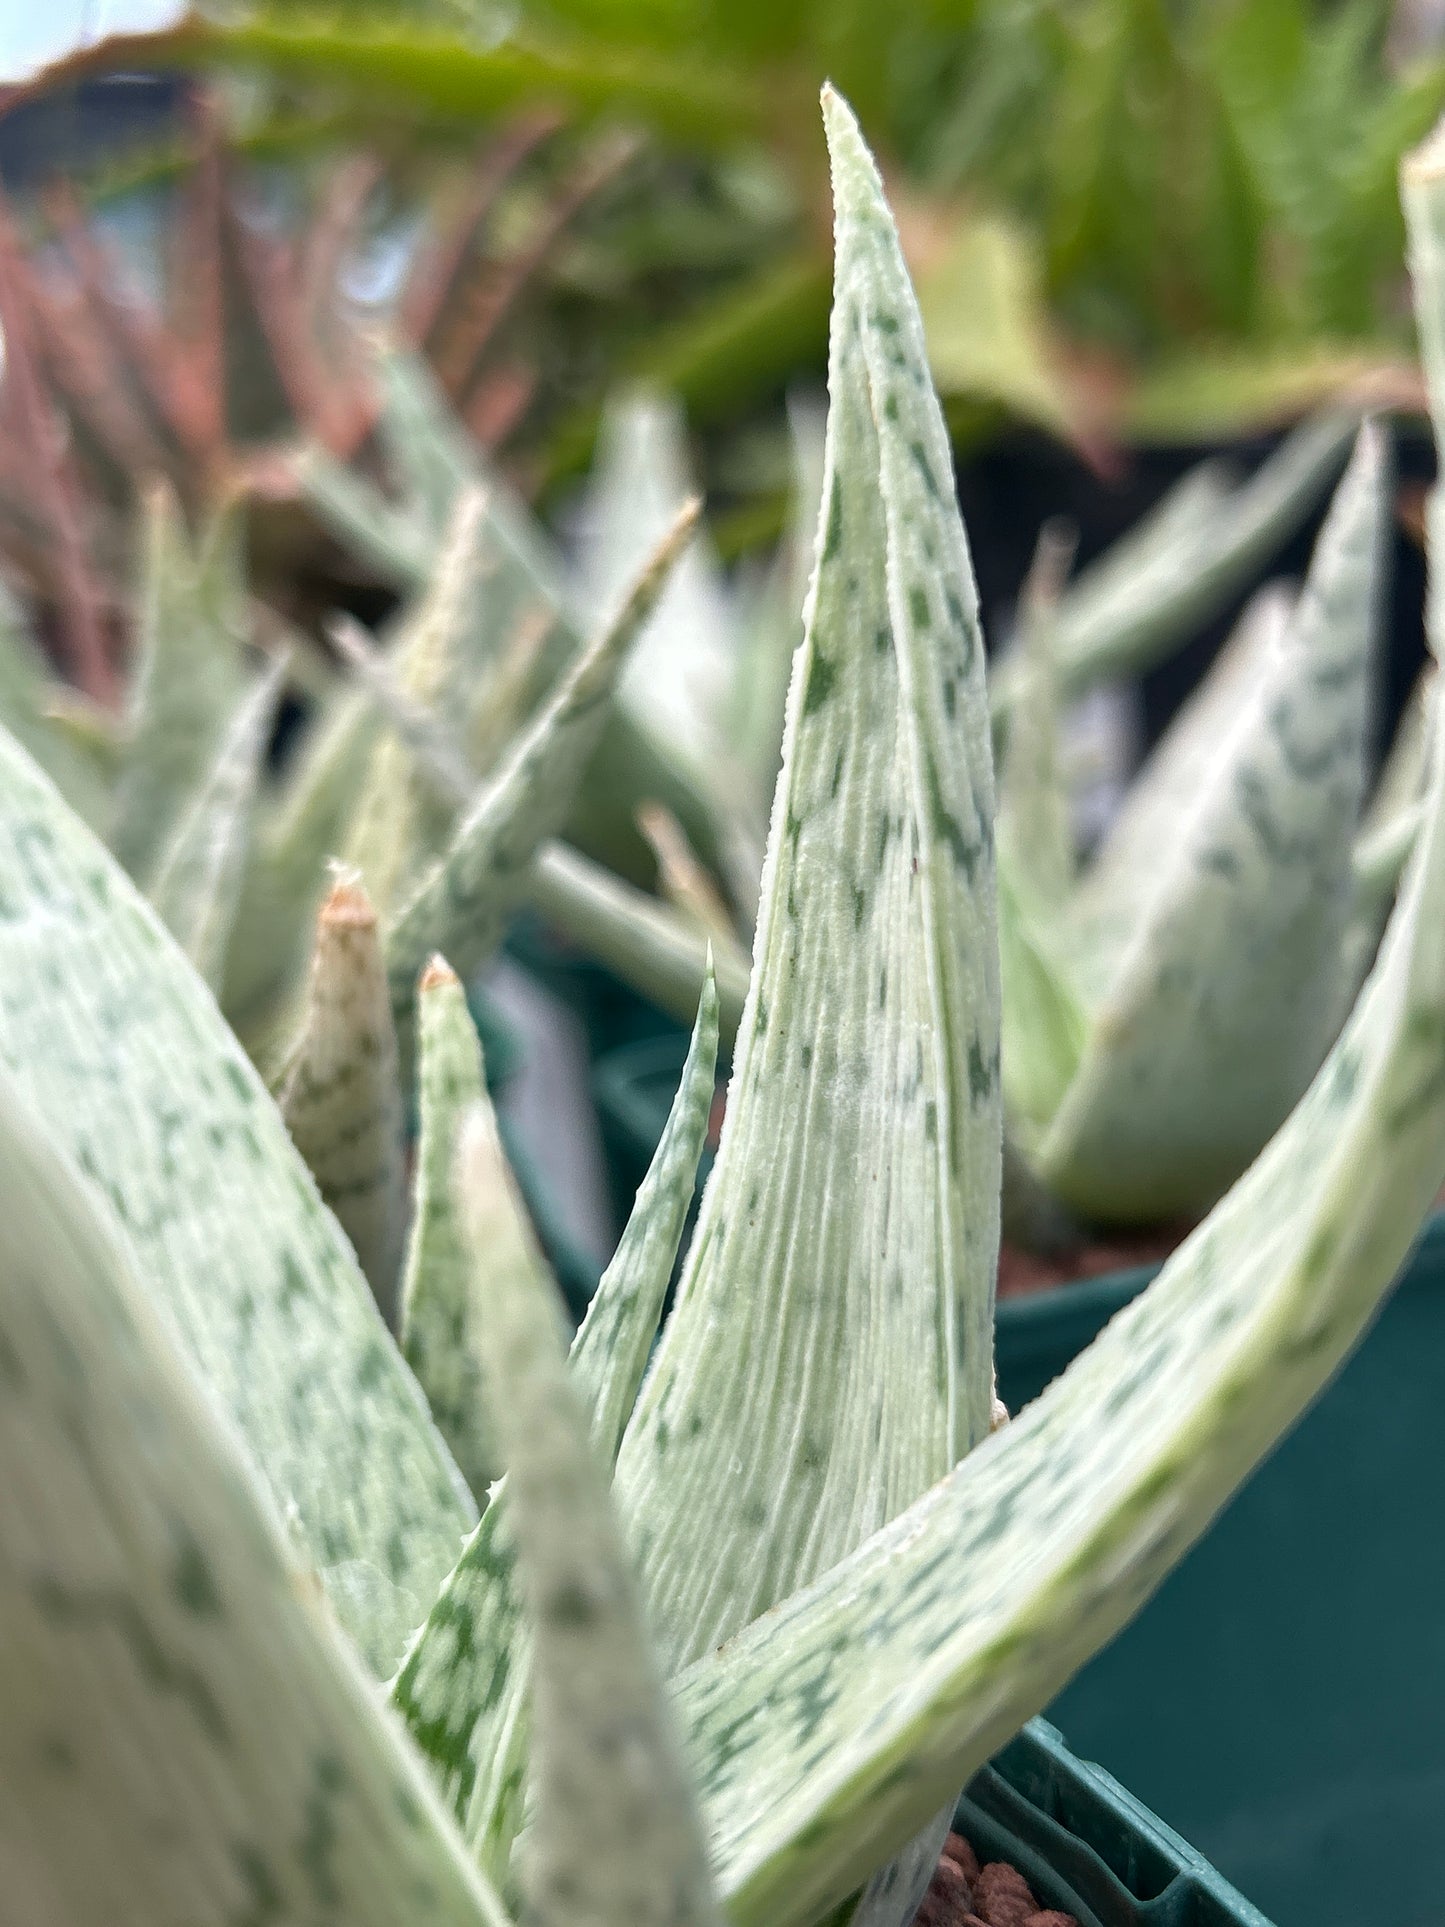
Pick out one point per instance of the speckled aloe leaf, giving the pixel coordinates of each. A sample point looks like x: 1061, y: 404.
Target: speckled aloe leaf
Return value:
x: 91, y: 732
x: 186, y: 1736
x: 188, y: 675
x: 27, y: 691
x: 431, y: 455
x: 771, y: 627
x: 463, y: 1688
x: 341, y: 1097
x: 399, y: 824
x: 432, y: 459
x: 1188, y: 560
x: 201, y: 866
x: 686, y: 885
x: 120, y: 1048
x: 1163, y: 798
x: 615, y: 1838
x: 445, y: 1295
x: 852, y: 1214
x: 1230, y: 988
x: 462, y: 901
x: 655, y: 949
x: 824, y: 1733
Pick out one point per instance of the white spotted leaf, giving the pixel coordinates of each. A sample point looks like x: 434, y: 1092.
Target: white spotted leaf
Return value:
x: 1230, y: 987
x: 830, y: 1352
x: 615, y: 1838
x: 825, y: 1733
x: 186, y: 1734
x: 463, y: 1689
x: 119, y: 1047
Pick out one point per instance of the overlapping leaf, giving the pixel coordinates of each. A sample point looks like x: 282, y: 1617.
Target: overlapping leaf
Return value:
x: 1229, y: 987
x: 187, y: 680
x: 186, y: 1734
x: 826, y: 1732
x: 463, y: 1689
x: 866, y: 1072
x: 120, y: 1049
x: 615, y: 1839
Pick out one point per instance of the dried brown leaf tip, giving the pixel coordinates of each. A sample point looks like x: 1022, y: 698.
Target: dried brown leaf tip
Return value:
x: 438, y: 975
x: 348, y: 907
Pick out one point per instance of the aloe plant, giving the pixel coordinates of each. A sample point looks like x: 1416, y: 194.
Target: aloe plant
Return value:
x: 1166, y: 1005
x: 226, y: 1500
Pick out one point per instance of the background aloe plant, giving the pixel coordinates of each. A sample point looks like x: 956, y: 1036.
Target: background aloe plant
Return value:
x: 1254, y: 146
x: 226, y: 1492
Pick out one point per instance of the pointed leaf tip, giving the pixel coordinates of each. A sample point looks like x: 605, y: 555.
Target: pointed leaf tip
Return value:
x: 438, y: 975
x: 347, y: 905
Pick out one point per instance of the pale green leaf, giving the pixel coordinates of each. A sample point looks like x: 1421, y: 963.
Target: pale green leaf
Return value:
x: 1422, y: 190
x: 445, y: 1296
x: 1035, y: 835
x: 186, y: 1735
x: 825, y: 1733
x: 1164, y: 796
x: 686, y: 885
x: 615, y: 1839
x: 392, y: 538
x: 1387, y: 833
x: 771, y: 628
x: 431, y: 456
x: 526, y: 620
x: 865, y: 1082
x: 341, y: 1097
x: 461, y: 904
x: 1044, y: 1023
x: 1230, y: 988
x: 463, y: 1689
x: 120, y: 1048
x: 660, y: 953
x: 200, y: 869
x: 399, y: 826
x: 187, y: 681
x: 680, y: 671
x: 1406, y: 768
x: 1226, y: 392
x: 95, y: 734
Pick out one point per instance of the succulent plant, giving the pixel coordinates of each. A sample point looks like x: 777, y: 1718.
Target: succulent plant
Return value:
x: 226, y: 1502
x: 1167, y: 1005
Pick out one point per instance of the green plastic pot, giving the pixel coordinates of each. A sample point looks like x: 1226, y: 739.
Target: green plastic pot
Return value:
x: 1086, y: 1846
x: 1281, y: 1699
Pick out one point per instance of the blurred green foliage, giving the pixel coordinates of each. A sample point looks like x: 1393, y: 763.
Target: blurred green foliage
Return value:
x: 1125, y: 216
